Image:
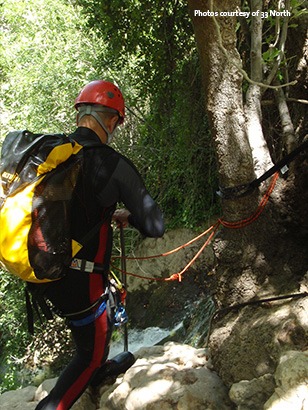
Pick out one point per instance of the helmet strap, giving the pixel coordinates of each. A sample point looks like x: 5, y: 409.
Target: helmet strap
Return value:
x: 101, y: 123
x: 93, y: 111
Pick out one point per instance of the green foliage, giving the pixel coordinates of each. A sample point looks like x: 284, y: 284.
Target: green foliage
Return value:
x: 272, y: 38
x: 149, y: 40
x: 45, y: 58
x: 13, y: 335
x: 153, y: 49
x: 48, y: 51
x: 183, y: 171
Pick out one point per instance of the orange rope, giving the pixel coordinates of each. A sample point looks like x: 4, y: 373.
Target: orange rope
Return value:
x: 168, y: 252
x: 213, y: 228
x: 257, y: 213
x: 178, y: 275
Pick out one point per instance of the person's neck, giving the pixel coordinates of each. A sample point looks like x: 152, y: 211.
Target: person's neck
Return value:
x: 94, y: 126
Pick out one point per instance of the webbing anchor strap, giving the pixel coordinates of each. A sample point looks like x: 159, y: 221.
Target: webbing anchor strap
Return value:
x: 245, y: 189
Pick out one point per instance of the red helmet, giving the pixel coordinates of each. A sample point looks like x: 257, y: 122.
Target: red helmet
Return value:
x: 103, y: 93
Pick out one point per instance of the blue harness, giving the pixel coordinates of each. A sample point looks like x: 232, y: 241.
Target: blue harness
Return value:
x: 89, y: 319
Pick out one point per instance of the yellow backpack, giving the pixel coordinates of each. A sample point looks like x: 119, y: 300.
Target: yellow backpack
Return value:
x: 38, y: 175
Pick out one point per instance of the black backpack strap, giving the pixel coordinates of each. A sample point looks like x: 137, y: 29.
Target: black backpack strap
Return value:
x: 96, y: 228
x: 29, y: 308
x: 36, y: 302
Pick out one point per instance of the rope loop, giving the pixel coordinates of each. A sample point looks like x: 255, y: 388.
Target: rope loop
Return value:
x: 211, y: 231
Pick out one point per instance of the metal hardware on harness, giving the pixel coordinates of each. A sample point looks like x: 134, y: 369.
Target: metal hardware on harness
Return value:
x: 120, y: 317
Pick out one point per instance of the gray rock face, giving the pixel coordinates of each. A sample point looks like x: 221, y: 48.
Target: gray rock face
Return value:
x: 180, y: 377
x: 18, y: 399
x: 168, y: 377
x: 173, y: 376
x: 286, y: 389
x: 252, y: 394
x: 291, y: 378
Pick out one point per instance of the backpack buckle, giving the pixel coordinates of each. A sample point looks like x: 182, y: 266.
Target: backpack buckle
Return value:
x: 82, y: 265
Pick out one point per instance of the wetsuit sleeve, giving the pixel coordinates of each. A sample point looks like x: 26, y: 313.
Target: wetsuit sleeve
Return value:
x: 126, y: 185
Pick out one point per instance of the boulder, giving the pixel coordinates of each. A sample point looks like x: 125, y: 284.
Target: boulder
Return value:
x: 286, y: 389
x: 172, y: 376
x: 44, y: 389
x: 246, y: 344
x: 168, y: 377
x: 21, y: 399
x: 291, y: 378
x: 252, y: 394
x: 85, y: 402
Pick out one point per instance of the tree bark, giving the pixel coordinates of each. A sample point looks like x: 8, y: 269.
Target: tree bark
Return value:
x: 288, y: 132
x: 253, y: 113
x: 222, y: 80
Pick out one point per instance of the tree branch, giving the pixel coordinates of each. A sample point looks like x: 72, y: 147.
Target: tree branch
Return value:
x: 240, y: 69
x: 281, y: 47
x: 256, y: 43
x: 288, y: 132
x: 253, y: 112
x: 295, y: 100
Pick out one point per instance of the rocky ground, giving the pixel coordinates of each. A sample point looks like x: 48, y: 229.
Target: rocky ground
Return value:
x: 254, y: 358
x: 180, y: 377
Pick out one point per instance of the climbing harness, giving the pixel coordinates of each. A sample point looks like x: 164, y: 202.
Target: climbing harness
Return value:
x: 93, y: 316
x: 109, y: 301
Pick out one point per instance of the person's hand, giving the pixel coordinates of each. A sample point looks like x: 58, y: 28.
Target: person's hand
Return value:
x: 120, y: 216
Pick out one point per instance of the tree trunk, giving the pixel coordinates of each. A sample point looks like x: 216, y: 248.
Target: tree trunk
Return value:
x: 219, y: 59
x: 268, y: 257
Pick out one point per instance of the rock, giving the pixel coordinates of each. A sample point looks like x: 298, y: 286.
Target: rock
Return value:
x: 21, y: 406
x: 252, y: 394
x: 291, y: 378
x: 21, y: 399
x: 167, y: 376
x: 248, y: 343
x: 162, y: 378
x: 85, y: 402
x: 44, y: 389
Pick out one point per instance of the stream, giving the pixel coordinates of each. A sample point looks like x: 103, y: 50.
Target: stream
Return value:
x: 138, y: 338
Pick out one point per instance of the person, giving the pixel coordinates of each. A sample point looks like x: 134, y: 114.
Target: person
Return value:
x: 107, y: 178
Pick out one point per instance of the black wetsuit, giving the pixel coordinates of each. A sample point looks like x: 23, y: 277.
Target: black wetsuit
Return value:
x: 106, y: 179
